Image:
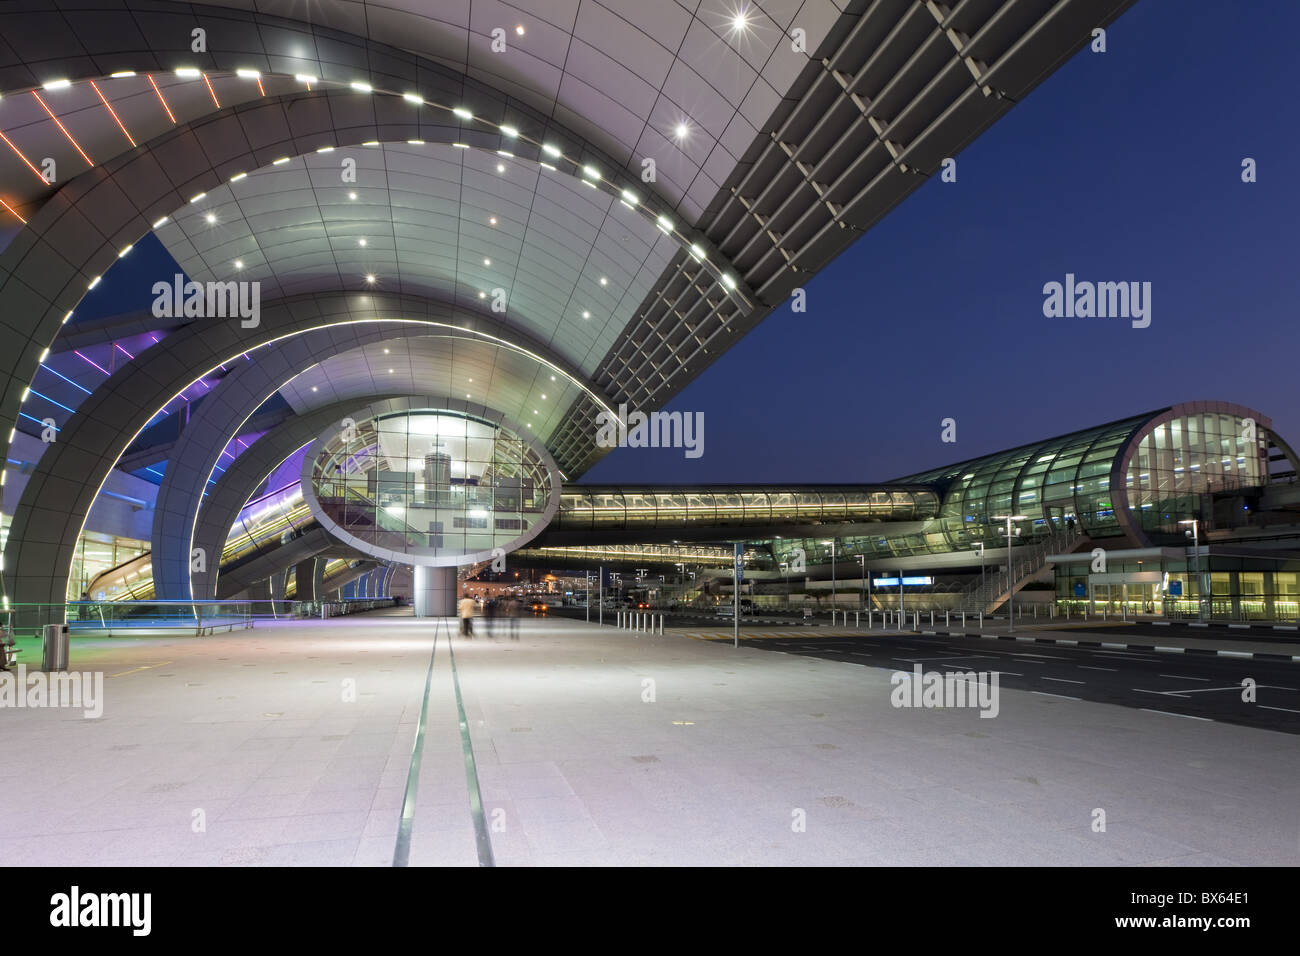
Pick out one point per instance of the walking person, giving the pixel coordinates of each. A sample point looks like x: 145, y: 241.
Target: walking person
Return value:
x: 490, y: 608
x: 466, y: 608
x: 512, y: 610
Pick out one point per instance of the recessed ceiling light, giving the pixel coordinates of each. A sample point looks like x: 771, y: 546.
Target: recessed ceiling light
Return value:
x: 211, y: 217
x: 482, y: 295
x: 304, y: 78
x: 462, y: 112
x: 413, y: 98
x: 550, y: 150
x: 492, y: 220
x: 314, y: 388
x: 696, y: 251
x: 361, y: 87
x: 370, y: 277
x: 543, y: 395
x: 352, y: 195
x: 385, y: 351
x: 246, y: 74
x: 519, y: 29
x: 57, y: 84
x: 740, y: 21
x: 586, y: 314
x: 281, y: 161
x: 121, y: 74
x: 160, y: 222
x: 630, y: 198
x: 509, y: 131
x: 239, y: 263
x: 188, y: 73
x: 238, y: 176
x: 390, y: 371
x: 552, y: 378
x: 682, y: 130
x: 325, y: 149
x: 194, y: 199
x: 415, y: 142
x: 487, y: 262
x: 591, y: 172
x: 728, y: 281
x: 361, y: 242
x: 501, y: 167
x: 665, y: 224
x: 467, y: 394
x: 604, y: 281
x: 471, y: 381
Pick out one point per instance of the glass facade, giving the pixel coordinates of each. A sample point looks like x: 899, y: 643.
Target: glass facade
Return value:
x: 1178, y: 461
x: 432, y: 484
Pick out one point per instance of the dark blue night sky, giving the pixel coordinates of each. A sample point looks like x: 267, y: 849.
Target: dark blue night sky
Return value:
x: 1123, y: 166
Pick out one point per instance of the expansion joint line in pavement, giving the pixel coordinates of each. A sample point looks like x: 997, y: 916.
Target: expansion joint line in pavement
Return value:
x: 402, y: 851
x: 481, y: 837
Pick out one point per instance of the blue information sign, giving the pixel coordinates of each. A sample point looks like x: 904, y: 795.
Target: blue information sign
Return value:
x: 740, y: 563
x: 1176, y: 588
x: 1080, y: 590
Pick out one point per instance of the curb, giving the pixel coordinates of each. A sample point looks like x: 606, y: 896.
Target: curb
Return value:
x: 1112, y: 646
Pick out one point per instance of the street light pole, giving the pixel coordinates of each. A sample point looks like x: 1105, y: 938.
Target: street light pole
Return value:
x: 862, y: 560
x: 1195, y: 534
x: 831, y: 542
x: 1011, y: 584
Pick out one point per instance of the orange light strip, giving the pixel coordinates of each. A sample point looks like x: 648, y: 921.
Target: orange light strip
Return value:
x: 260, y: 88
x: 14, y: 211
x: 20, y: 155
x: 89, y: 161
x: 212, y: 91
x: 160, y: 98
x: 112, y: 114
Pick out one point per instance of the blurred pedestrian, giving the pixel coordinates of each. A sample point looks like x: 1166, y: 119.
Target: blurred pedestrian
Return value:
x: 490, y: 608
x: 466, y: 608
x: 513, y: 610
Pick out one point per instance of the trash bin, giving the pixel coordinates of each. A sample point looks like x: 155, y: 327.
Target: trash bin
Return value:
x: 54, y: 648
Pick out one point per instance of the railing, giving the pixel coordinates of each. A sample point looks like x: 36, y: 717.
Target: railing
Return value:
x: 995, y: 587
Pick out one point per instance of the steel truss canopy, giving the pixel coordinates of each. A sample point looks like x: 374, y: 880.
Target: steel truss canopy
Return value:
x: 642, y: 183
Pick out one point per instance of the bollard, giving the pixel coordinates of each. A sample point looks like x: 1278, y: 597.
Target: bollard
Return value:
x: 932, y: 617
x: 857, y: 618
x: 946, y: 613
x: 1035, y: 612
x: 981, y: 620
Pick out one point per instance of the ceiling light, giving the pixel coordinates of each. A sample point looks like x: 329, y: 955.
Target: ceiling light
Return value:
x: 238, y: 176
x: 591, y: 172
x: 586, y: 314
x: 550, y: 150
x: 124, y: 252
x: 501, y: 167
x: 361, y: 242
x: 93, y: 282
x: 519, y: 29
x: 461, y: 145
x: 547, y: 166
x: 188, y: 73
x: 487, y: 262
x: 682, y: 130
x: 696, y: 251
x: 247, y: 74
x: 604, y: 281
x: 552, y: 378
x: 462, y: 112
x: 352, y: 195
x: 543, y: 395
x: 314, y: 388
x: 304, y: 78
x: 665, y: 224
x: 385, y: 351
x: 280, y: 162
x: 159, y: 222
x: 371, y: 142
x: 239, y: 263
x: 492, y: 220
x: 121, y: 74
x: 413, y: 98
x: 509, y: 131
x: 361, y: 87
x: 505, y: 152
x: 58, y: 84
x: 728, y: 281
x: 482, y: 295
x: 629, y: 197
x: 415, y: 142
x: 198, y: 197
x: 390, y: 371
x: 325, y: 149
x: 471, y: 381
x: 211, y: 217
x: 65, y: 318
x: 370, y: 277
x: 740, y: 21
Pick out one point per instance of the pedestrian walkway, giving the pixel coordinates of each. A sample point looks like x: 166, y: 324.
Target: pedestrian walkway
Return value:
x: 297, y: 744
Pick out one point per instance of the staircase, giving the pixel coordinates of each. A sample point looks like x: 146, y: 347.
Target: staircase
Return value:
x: 1028, y: 560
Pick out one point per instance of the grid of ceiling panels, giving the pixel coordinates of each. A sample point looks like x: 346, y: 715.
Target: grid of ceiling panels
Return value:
x: 500, y: 378
x: 905, y: 85
x: 622, y: 73
x: 433, y: 220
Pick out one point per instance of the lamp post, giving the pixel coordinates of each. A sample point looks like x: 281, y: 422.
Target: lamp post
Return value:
x: 831, y: 542
x: 1195, y: 535
x: 980, y: 546
x: 1011, y: 584
x: 862, y: 562
x: 785, y: 573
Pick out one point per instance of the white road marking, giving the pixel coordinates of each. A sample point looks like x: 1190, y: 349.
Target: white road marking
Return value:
x: 1045, y: 694
x: 1085, y: 667
x: 1287, y: 709
x: 1062, y: 680
x: 1181, y: 677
